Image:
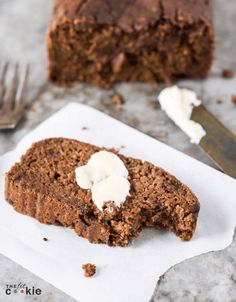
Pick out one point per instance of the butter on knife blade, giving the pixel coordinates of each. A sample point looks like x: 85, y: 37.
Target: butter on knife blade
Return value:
x: 183, y: 107
x: 178, y: 104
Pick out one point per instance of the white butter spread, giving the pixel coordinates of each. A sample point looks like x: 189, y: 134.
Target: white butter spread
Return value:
x: 178, y: 105
x: 107, y: 177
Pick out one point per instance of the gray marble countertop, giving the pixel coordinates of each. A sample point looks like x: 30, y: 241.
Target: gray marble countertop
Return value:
x: 23, y: 24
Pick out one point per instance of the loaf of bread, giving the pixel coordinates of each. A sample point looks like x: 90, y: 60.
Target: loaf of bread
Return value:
x: 103, y: 42
x: 43, y: 185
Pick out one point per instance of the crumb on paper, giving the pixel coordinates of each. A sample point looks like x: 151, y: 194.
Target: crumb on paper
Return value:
x: 117, y: 99
x: 84, y: 128
x: 45, y: 239
x: 122, y: 146
x: 233, y: 99
x: 89, y: 269
x: 227, y: 73
x: 219, y: 102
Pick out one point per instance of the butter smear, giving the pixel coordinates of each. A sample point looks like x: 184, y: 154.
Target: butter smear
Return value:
x: 106, y: 176
x: 178, y: 105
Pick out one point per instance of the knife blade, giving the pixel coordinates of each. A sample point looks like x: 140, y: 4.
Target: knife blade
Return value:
x: 219, y: 142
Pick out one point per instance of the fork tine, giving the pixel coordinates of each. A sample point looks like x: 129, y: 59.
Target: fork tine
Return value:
x: 22, y: 100
x: 4, y: 71
x: 9, y: 98
x: 2, y: 78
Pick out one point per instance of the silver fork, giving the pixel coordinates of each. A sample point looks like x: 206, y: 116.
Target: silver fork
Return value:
x: 13, y: 98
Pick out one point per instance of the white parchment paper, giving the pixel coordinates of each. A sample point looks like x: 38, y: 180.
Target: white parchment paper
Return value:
x: 124, y: 274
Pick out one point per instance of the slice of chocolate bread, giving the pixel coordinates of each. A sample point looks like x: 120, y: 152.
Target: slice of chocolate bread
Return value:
x: 43, y: 186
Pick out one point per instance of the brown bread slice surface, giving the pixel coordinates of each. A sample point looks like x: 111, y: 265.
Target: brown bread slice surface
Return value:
x: 43, y: 185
